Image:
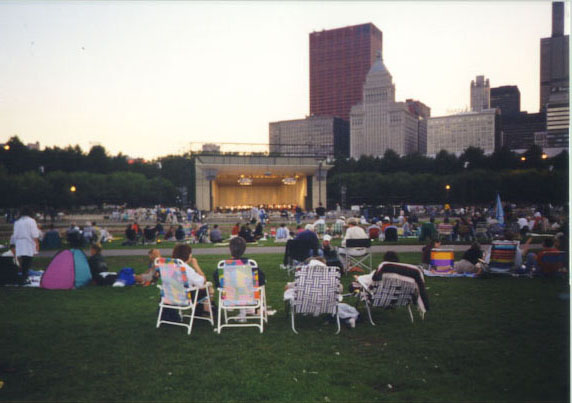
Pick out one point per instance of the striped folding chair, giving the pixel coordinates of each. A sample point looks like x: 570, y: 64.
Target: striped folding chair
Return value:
x: 240, y: 292
x: 502, y: 257
x: 316, y: 292
x: 392, y: 290
x: 177, y: 294
x: 442, y: 261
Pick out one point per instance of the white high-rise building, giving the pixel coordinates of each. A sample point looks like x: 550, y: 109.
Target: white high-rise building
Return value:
x: 480, y: 94
x: 379, y: 123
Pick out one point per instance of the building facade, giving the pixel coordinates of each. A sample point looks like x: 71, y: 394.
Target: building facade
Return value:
x: 455, y: 133
x: 518, y: 131
x: 378, y: 123
x: 339, y: 61
x: 554, y: 54
x: 422, y: 112
x: 507, y: 99
x: 480, y: 94
x: 319, y: 136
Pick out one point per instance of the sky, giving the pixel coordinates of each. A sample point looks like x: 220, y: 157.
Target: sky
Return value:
x: 147, y: 79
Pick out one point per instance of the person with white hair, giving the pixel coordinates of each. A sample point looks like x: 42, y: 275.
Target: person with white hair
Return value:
x: 354, y: 231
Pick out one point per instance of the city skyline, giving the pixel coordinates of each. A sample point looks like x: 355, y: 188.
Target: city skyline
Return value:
x: 147, y: 79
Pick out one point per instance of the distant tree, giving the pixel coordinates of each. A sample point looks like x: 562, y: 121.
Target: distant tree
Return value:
x: 391, y: 162
x: 473, y: 158
x: 445, y: 163
x: 503, y: 158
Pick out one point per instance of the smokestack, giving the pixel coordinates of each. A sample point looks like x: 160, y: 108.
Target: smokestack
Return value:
x: 557, y: 18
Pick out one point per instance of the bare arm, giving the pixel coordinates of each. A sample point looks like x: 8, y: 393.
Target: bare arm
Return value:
x: 195, y: 265
x: 526, y: 246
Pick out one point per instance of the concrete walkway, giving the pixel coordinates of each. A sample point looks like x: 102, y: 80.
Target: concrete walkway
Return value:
x: 255, y: 250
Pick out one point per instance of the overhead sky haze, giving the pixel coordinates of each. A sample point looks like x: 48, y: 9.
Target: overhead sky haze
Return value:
x: 148, y: 78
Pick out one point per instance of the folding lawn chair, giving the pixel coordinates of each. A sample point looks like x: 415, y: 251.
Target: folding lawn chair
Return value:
x: 442, y: 261
x: 316, y: 291
x: 355, y: 256
x: 482, y: 231
x: 550, y: 263
x: 320, y: 229
x: 337, y: 229
x: 502, y: 257
x: 177, y: 294
x: 240, y: 291
x: 295, y: 253
x: 392, y: 290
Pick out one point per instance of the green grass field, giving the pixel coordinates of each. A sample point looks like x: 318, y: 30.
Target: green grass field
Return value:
x: 483, y: 339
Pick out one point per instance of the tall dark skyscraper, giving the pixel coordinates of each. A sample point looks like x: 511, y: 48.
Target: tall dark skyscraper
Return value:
x: 554, y: 53
x: 507, y: 99
x: 339, y: 61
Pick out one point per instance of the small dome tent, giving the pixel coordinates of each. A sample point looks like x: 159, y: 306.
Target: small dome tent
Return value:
x: 68, y: 269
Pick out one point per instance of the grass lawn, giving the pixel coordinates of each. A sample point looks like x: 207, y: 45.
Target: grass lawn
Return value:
x: 483, y: 339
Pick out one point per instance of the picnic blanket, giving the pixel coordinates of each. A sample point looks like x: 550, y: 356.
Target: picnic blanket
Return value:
x: 449, y: 273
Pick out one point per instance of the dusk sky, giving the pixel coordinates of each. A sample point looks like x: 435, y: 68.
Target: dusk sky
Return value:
x: 147, y: 78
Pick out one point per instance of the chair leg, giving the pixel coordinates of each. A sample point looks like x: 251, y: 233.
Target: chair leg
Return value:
x: 193, y: 310
x: 219, y: 314
x: 338, y: 319
x: 159, y: 317
x: 292, y: 318
x: 369, y: 313
x: 410, y: 313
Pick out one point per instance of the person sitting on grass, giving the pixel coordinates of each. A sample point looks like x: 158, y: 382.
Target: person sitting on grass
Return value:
x: 282, y: 233
x: 258, y: 231
x: 533, y: 260
x: 180, y: 234
x: 96, y: 262
x: 151, y: 275
x: 216, y: 235
x: 426, y: 253
x: 235, y: 230
x: 131, y: 236
x: 469, y: 263
x: 246, y: 233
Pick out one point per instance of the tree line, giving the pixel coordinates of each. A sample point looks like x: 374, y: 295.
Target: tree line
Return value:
x: 44, y: 178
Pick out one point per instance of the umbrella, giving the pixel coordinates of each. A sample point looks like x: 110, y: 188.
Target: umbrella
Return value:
x: 499, y: 212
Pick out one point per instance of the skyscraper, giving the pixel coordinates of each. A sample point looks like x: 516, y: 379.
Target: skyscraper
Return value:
x: 507, y: 99
x: 339, y: 61
x: 379, y: 123
x: 480, y: 94
x: 554, y: 53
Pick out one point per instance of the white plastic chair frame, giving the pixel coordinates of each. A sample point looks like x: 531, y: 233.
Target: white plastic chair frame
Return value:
x: 190, y: 305
x: 260, y: 305
x: 330, y: 271
x: 351, y: 259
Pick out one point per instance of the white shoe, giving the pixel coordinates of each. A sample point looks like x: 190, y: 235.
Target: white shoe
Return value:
x: 352, y: 322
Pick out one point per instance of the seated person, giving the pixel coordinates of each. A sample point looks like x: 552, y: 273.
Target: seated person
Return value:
x: 309, y: 236
x: 195, y: 275
x: 170, y: 234
x: 215, y: 235
x: 74, y: 237
x: 428, y: 230
x: 51, y: 238
x: 235, y: 230
x: 151, y: 275
x: 353, y: 232
x: 406, y: 228
x: 311, y: 261
x: 246, y: 233
x: 258, y: 231
x: 237, y: 247
x: 469, y: 263
x: 96, y: 262
x: 149, y: 234
x: 390, y: 233
x: 180, y: 234
x: 533, y: 260
x: 373, y: 231
x: 282, y: 233
x: 130, y: 235
x: 426, y: 253
x: 329, y: 253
